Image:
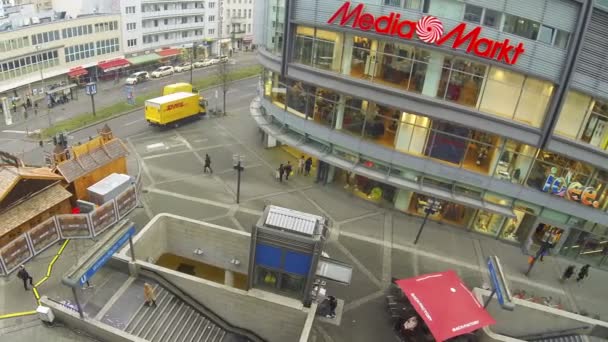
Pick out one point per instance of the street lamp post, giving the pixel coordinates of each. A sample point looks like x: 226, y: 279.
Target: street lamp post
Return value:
x: 237, y: 165
x: 432, y: 206
x: 44, y: 94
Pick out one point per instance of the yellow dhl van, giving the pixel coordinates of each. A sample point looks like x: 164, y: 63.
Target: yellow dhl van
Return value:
x: 171, y: 110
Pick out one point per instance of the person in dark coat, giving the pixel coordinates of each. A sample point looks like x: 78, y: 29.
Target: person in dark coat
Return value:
x: 288, y: 170
x: 307, y: 166
x: 23, y: 275
x: 281, y: 172
x: 583, y: 273
x: 568, y: 273
x: 207, y: 164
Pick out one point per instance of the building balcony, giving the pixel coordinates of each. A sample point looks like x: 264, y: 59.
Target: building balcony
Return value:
x: 172, y: 13
x: 171, y: 28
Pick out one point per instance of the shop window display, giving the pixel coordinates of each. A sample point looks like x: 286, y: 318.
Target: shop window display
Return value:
x: 595, y: 131
x: 381, y: 124
x: 354, y: 116
x: 412, y: 133
x: 299, y: 99
x: 303, y: 49
x: 481, y: 152
x: 447, y: 142
x: 363, y: 61
x: 326, y: 105
x: 402, y: 66
x: 461, y: 81
x: 599, y: 184
x: 510, y: 230
x: 364, y: 187
x: 514, y: 161
x: 487, y: 223
x: 450, y: 212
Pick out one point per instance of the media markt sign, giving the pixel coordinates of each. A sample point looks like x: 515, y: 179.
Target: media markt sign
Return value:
x: 430, y: 30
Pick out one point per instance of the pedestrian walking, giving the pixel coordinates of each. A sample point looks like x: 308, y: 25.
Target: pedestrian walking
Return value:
x: 149, y: 296
x: 28, y: 102
x: 281, y: 171
x: 583, y: 273
x: 288, y: 170
x: 568, y: 273
x: 23, y: 275
x: 307, y: 166
x: 301, y: 163
x: 207, y: 164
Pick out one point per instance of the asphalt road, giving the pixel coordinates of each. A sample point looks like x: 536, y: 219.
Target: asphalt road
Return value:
x: 239, y: 96
x: 109, y: 93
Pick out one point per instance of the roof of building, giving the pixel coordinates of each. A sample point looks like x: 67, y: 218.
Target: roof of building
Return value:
x: 26, y: 210
x: 292, y: 220
x: 11, y: 175
x: 83, y: 163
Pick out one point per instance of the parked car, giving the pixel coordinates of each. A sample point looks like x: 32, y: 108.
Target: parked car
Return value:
x: 183, y: 67
x: 137, y: 77
x: 201, y: 64
x: 162, y: 71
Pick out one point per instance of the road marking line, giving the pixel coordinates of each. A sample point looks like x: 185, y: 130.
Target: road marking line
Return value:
x: 133, y: 122
x: 363, y: 300
x: 360, y: 265
x: 12, y: 131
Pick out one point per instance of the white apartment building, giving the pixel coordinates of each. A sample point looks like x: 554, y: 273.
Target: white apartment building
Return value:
x: 238, y: 22
x: 151, y: 25
x: 36, y: 56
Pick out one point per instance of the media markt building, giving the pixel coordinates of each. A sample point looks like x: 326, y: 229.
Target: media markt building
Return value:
x: 498, y: 109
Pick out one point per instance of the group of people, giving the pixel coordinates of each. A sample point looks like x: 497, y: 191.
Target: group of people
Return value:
x: 285, y: 170
x: 582, y: 273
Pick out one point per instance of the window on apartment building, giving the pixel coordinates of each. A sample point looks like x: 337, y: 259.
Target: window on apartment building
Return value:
x: 199, y: 5
x: 22, y: 66
x: 239, y: 13
x: 45, y: 37
x: 198, y: 32
x: 185, y: 34
x: 227, y: 28
x: 107, y: 46
x: 211, y: 31
x: 248, y: 28
x: 240, y: 1
x: 211, y: 5
x: 155, y: 23
x: 166, y: 21
x: 234, y: 12
x: 131, y: 26
x: 211, y: 18
x: 166, y: 36
x: 132, y: 42
x: 184, y: 5
x: 130, y: 9
x: 184, y: 20
x: 156, y: 8
x: 78, y: 52
x: 249, y: 14
x: 166, y: 7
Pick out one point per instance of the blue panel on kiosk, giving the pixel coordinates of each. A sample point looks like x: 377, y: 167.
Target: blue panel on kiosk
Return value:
x: 298, y: 263
x: 268, y: 256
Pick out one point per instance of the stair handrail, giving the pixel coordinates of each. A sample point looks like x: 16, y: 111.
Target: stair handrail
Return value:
x: 201, y: 308
x: 550, y: 334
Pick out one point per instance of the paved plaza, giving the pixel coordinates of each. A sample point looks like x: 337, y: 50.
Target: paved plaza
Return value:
x: 376, y: 240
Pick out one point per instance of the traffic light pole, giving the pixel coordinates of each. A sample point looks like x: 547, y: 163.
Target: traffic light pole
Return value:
x: 93, y: 103
x: 236, y: 162
x: 192, y: 60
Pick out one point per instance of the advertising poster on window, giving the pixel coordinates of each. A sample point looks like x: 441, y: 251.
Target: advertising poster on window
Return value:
x: 126, y: 201
x: 44, y: 235
x: 73, y: 226
x: 103, y: 217
x: 16, y: 253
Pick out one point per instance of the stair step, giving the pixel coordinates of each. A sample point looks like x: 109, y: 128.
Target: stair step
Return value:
x: 196, y: 333
x: 204, y: 330
x: 146, y: 313
x: 208, y: 332
x: 138, y: 315
x: 161, y: 318
x: 170, y: 323
x: 155, y: 315
x: 176, y: 333
x: 189, y: 332
x: 215, y: 334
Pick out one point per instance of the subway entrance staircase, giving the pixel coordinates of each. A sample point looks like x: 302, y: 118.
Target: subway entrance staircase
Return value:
x: 176, y: 318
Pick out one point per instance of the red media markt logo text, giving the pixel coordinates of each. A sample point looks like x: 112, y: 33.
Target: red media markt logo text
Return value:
x: 430, y: 30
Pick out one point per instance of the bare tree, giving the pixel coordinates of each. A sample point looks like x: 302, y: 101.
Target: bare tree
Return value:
x: 224, y: 78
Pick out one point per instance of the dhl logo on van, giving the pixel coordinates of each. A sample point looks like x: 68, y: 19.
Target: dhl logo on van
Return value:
x: 175, y: 105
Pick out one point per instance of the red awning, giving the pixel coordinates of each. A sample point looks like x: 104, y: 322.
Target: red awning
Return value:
x: 445, y: 304
x: 78, y: 71
x: 113, y: 64
x: 169, y: 52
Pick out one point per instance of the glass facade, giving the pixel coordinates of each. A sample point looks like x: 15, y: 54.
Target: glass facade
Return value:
x: 585, y: 119
x: 489, y: 89
x: 444, y: 142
